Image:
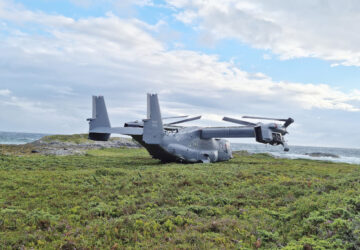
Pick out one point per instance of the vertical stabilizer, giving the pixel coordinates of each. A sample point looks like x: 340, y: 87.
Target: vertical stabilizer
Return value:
x: 153, y: 127
x: 148, y: 106
x: 99, y: 121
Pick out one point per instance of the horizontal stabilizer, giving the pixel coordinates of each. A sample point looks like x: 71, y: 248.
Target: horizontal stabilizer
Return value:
x: 118, y: 130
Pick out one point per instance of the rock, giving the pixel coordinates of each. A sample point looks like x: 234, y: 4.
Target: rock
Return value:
x: 241, y: 153
x: 307, y: 247
x: 257, y: 244
x: 319, y: 154
x: 69, y: 246
x: 67, y: 146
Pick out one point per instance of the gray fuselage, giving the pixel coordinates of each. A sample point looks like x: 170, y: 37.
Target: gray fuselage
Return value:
x: 186, y: 145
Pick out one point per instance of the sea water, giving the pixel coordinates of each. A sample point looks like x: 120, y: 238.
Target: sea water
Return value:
x: 18, y: 137
x: 347, y: 155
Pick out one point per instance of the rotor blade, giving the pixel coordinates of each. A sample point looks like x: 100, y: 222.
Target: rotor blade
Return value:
x: 228, y: 119
x: 288, y: 122
x: 175, y: 117
x: 185, y: 120
x: 265, y: 118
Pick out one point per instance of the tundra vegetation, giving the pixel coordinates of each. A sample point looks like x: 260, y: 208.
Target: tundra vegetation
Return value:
x: 122, y: 198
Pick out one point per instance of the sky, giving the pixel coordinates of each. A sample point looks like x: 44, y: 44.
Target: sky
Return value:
x: 274, y: 58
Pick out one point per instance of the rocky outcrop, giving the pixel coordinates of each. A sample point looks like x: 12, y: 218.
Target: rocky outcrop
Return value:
x: 319, y: 154
x: 47, y: 146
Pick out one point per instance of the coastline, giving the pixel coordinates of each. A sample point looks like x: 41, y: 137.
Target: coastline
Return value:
x: 62, y: 145
x: 78, y: 144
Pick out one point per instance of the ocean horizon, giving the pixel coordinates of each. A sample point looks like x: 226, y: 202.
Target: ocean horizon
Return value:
x: 14, y: 138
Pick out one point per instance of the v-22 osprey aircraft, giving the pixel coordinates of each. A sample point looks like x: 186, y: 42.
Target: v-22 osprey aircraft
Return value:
x: 169, y: 142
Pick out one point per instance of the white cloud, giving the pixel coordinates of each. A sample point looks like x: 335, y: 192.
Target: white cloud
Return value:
x: 9, y: 100
x: 121, y: 59
x: 28, y: 106
x: 5, y: 92
x: 302, y: 28
x: 267, y: 57
x: 62, y: 90
x: 187, y: 16
x: 23, y: 114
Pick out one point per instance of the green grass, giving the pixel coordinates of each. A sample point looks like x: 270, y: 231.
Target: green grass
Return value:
x: 121, y: 198
x: 75, y: 138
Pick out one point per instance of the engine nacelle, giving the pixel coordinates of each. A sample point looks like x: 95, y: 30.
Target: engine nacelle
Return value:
x: 264, y: 134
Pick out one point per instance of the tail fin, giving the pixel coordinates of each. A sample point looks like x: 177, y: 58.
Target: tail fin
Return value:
x: 99, y: 123
x: 153, y: 126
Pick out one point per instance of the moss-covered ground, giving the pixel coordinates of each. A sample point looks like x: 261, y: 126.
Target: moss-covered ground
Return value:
x: 75, y: 138
x: 121, y: 198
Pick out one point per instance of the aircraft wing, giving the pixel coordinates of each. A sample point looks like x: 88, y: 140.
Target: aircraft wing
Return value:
x: 227, y: 132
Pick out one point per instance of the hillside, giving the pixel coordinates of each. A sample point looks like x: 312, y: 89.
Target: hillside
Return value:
x: 61, y: 145
x: 121, y: 198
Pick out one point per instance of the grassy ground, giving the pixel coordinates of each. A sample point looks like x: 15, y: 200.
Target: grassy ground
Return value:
x: 75, y: 138
x: 121, y: 198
